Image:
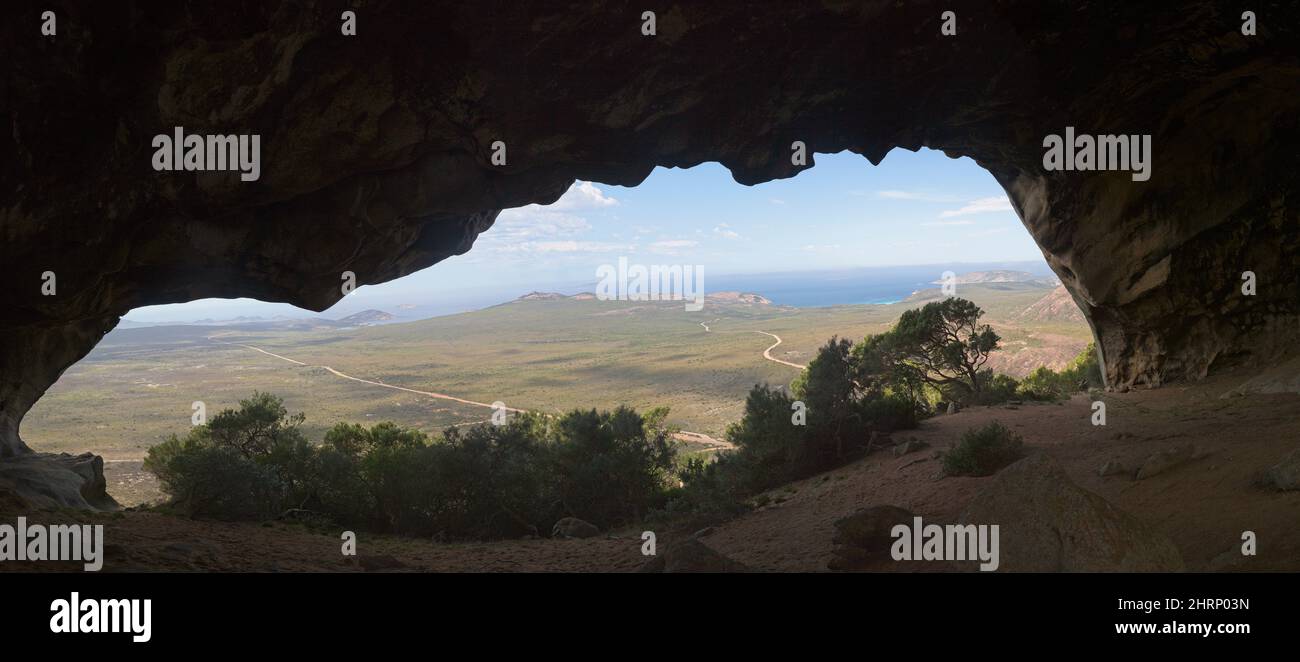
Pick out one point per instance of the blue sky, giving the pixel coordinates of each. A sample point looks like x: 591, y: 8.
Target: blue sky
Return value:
x: 915, y: 208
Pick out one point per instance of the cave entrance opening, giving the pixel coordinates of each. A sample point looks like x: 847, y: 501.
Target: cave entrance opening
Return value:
x: 586, y: 303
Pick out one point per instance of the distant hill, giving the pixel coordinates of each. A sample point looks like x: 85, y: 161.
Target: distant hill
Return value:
x: 747, y: 298
x: 542, y: 296
x: 727, y: 297
x: 1057, y: 306
x: 1000, y: 276
x: 367, y: 317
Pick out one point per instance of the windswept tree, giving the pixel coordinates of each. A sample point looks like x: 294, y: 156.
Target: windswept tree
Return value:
x: 941, y: 343
x: 260, y: 423
x: 827, y: 388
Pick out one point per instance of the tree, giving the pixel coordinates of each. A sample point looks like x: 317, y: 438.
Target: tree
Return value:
x: 829, y: 391
x: 942, y: 343
x: 259, y: 424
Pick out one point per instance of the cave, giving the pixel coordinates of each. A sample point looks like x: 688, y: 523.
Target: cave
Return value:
x: 389, y: 150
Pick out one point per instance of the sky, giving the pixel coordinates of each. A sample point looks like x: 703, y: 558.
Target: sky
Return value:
x: 915, y: 208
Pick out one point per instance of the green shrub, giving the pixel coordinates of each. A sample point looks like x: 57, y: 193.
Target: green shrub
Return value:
x: 995, y: 389
x: 208, y: 481
x: 484, y: 481
x: 1082, y: 373
x: 890, y: 413
x: 983, y: 451
x: 1045, y: 384
x: 1085, y: 370
x: 770, y: 449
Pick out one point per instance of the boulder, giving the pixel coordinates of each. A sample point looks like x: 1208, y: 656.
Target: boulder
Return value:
x: 1285, y: 475
x: 572, y: 527
x: 46, y: 481
x: 1047, y: 523
x: 864, y: 537
x: 690, y: 556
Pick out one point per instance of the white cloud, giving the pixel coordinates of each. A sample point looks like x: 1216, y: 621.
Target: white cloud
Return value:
x: 527, y: 228
x: 821, y: 248
x: 777, y: 201
x: 980, y: 206
x: 672, y: 246
x: 525, y: 223
x: 946, y: 223
x: 722, y: 231
x: 582, y: 195
x: 920, y: 196
x: 567, y: 246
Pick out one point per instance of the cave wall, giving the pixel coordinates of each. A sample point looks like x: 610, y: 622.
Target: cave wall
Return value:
x: 375, y: 147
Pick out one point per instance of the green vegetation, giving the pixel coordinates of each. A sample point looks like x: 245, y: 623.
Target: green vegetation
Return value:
x: 885, y: 383
x: 1081, y: 374
x: 484, y: 481
x: 775, y: 445
x: 610, y: 468
x: 982, y: 451
x: 555, y: 356
x: 942, y: 344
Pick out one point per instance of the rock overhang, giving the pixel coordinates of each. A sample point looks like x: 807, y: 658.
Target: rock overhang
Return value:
x: 377, y: 149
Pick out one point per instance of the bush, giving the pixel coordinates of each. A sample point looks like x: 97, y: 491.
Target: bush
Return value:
x: 890, y: 413
x: 208, y: 481
x: 1045, y: 384
x: 485, y: 481
x: 995, y: 389
x: 1085, y: 370
x: 1081, y: 374
x: 770, y: 449
x: 983, y: 451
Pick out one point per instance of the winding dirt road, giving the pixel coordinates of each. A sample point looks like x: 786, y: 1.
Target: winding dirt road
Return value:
x: 685, y: 436
x: 767, y: 353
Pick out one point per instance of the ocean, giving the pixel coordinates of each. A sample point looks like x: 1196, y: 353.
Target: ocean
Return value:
x: 808, y: 289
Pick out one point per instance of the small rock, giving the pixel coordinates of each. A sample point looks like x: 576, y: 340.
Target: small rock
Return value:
x: 1113, y: 468
x: 1285, y: 475
x: 572, y: 527
x: 878, y: 441
x: 691, y: 556
x: 952, y: 408
x: 1166, y: 460
x: 909, y: 447
x: 706, y: 531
